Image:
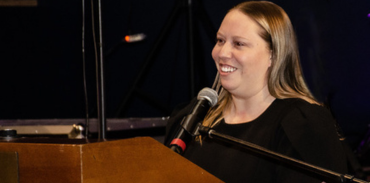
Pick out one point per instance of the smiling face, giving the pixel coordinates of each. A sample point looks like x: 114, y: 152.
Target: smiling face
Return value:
x: 242, y: 57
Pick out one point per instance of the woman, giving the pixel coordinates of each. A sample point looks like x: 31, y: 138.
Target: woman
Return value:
x: 263, y: 100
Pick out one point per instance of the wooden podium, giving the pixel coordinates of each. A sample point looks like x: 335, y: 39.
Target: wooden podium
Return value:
x: 140, y: 159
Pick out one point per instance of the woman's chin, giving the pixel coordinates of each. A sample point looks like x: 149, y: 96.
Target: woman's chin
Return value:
x: 228, y: 86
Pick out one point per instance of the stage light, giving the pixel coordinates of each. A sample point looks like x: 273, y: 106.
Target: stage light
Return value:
x: 134, y: 38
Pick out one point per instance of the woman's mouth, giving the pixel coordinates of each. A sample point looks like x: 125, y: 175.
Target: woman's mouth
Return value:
x: 227, y: 68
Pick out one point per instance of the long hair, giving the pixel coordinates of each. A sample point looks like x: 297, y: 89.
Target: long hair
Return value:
x: 285, y: 78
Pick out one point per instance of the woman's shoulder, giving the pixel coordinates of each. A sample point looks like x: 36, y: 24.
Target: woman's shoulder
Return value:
x: 297, y: 102
x: 311, y: 130
x: 300, y: 114
x: 296, y: 107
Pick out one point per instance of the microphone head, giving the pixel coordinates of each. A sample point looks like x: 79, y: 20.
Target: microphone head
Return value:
x: 208, y: 94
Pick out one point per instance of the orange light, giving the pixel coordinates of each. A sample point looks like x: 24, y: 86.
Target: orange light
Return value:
x: 127, y: 38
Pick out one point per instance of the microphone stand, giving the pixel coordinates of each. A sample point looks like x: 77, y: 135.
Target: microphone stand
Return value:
x: 100, y: 80
x: 323, y: 173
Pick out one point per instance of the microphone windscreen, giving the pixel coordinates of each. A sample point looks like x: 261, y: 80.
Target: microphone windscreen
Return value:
x: 208, y: 94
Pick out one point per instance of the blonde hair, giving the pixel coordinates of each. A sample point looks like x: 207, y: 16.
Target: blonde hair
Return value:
x: 285, y: 78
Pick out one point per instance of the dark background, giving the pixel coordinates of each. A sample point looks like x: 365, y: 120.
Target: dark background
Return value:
x: 42, y: 69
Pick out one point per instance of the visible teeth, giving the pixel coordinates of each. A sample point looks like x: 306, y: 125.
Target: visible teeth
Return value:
x: 227, y: 69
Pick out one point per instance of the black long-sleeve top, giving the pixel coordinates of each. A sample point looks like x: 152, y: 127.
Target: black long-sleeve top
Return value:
x: 292, y: 127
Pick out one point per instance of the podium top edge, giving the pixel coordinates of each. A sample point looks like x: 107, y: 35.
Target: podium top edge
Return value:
x: 43, y: 140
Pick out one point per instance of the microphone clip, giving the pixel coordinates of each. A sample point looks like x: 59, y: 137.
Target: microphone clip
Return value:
x: 186, y: 124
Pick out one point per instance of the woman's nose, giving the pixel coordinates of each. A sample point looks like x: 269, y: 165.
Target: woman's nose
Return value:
x: 225, y: 51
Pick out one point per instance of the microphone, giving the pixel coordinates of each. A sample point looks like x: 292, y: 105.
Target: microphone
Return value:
x: 134, y: 38
x: 188, y: 129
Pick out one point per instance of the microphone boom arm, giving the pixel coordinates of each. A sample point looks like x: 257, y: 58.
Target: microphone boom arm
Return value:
x: 324, y: 173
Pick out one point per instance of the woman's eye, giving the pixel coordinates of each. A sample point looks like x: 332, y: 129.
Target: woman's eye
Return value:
x: 219, y: 41
x: 239, y: 44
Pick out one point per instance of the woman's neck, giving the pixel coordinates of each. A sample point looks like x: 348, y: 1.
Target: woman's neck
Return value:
x: 244, y: 109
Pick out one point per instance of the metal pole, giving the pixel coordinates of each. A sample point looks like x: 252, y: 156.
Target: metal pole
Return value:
x: 101, y: 107
x: 191, y: 48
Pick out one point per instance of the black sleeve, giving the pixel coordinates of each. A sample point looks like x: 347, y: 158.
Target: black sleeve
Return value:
x: 310, y: 129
